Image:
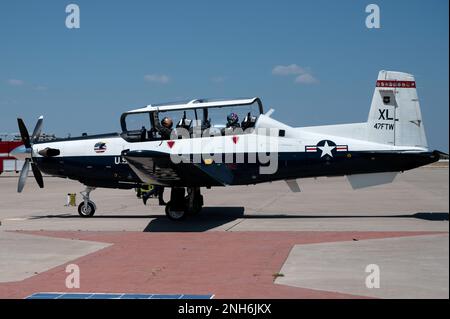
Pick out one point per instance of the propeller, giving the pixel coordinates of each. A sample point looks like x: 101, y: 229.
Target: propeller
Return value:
x: 26, y: 152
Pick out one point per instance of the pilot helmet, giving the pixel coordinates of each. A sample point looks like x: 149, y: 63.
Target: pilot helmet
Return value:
x: 167, y: 122
x: 232, y: 118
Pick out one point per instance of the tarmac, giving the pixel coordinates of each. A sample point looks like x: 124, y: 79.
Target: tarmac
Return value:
x: 258, y: 241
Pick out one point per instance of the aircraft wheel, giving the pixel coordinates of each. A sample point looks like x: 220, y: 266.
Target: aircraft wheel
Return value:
x: 86, y: 211
x: 174, y: 213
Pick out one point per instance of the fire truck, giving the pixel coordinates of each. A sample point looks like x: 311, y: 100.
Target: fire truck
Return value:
x: 8, y: 142
x: 7, y: 162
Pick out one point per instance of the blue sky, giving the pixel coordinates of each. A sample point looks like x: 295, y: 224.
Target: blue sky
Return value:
x: 128, y: 54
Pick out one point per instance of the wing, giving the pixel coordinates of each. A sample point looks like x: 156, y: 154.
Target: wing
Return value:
x: 158, y: 168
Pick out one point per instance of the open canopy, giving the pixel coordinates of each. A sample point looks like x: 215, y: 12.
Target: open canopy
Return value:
x: 145, y: 123
x: 198, y: 104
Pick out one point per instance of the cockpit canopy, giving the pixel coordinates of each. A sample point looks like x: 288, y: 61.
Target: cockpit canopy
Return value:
x: 199, y: 115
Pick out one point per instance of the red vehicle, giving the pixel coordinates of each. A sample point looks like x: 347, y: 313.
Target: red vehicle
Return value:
x: 5, y: 149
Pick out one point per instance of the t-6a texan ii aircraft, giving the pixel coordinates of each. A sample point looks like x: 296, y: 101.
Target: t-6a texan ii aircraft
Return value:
x: 233, y: 142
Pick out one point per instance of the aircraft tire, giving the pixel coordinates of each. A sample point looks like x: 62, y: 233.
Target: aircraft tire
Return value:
x: 175, y: 215
x: 89, y: 211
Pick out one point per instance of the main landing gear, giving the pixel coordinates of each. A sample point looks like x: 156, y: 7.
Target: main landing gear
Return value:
x: 87, y: 207
x: 183, y: 202
x: 181, y: 206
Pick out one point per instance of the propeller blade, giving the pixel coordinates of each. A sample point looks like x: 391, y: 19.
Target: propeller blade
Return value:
x: 23, y: 175
x: 37, y: 175
x: 37, y: 129
x: 24, y: 133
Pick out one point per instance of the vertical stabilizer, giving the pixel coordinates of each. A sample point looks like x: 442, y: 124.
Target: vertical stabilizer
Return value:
x: 395, y: 116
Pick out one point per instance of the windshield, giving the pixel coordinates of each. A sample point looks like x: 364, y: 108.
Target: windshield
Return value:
x: 136, y: 121
x: 231, y: 115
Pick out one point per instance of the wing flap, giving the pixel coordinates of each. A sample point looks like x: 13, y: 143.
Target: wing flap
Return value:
x: 157, y: 168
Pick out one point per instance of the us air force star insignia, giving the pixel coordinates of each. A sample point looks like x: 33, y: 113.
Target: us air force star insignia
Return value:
x: 326, y: 149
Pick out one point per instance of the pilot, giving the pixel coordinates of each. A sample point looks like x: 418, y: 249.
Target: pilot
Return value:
x: 166, y: 128
x: 143, y: 133
x: 233, y: 120
x: 232, y: 123
x: 155, y: 191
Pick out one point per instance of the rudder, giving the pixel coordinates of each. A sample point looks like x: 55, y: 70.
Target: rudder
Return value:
x: 395, y: 116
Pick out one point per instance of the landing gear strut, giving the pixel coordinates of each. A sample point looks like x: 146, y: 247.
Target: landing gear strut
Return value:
x: 194, y: 201
x: 87, y: 207
x: 180, y: 206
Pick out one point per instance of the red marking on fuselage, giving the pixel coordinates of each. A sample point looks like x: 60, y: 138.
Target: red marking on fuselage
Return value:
x: 170, y: 143
x: 235, y: 139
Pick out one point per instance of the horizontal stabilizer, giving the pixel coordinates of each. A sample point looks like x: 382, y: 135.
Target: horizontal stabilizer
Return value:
x: 366, y: 180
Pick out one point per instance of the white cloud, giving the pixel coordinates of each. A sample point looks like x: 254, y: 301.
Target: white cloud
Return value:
x: 15, y: 82
x: 157, y: 78
x: 306, y: 79
x: 292, y: 69
x: 302, y: 75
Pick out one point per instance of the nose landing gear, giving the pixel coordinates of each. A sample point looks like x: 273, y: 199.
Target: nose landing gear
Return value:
x: 180, y: 206
x: 87, y: 207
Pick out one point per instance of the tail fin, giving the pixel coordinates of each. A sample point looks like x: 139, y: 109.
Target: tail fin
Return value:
x: 394, y: 116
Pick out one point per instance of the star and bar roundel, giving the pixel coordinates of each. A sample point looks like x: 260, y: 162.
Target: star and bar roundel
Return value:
x: 326, y: 148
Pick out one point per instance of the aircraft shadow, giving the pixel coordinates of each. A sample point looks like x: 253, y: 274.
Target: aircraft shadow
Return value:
x: 209, y: 218
x: 231, y: 212
x: 106, y: 216
x: 432, y: 216
x: 212, y: 217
